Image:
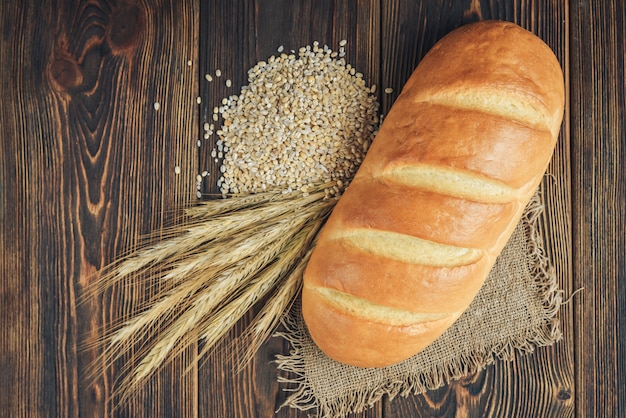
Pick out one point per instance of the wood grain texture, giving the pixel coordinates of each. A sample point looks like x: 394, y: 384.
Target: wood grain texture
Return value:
x: 599, y: 195
x: 87, y: 165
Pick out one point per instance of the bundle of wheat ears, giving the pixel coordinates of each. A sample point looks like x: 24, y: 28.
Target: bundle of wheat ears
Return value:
x: 210, y: 271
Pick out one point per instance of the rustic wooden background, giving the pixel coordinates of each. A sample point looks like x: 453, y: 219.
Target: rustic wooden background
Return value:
x: 87, y: 165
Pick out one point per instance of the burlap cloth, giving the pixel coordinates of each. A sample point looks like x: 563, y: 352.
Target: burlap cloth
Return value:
x: 514, y: 312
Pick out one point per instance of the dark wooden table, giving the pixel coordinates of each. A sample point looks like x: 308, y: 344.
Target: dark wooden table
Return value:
x: 87, y: 165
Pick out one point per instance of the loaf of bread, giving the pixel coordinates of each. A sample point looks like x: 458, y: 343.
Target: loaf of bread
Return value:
x: 444, y: 184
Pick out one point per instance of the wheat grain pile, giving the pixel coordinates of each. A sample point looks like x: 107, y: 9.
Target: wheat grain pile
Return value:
x: 304, y: 118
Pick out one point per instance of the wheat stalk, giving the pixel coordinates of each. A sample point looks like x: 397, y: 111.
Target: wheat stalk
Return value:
x: 208, y: 271
x: 267, y: 320
x: 217, y: 325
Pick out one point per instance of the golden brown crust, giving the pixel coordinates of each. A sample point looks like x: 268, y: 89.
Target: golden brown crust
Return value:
x: 443, y: 219
x: 493, y: 55
x: 437, y: 135
x: 411, y: 287
x: 483, y: 108
x: 363, y: 343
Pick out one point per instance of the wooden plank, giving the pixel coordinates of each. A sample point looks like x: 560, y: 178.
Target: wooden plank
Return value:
x: 599, y: 198
x: 233, y: 37
x: 86, y: 164
x: 541, y: 384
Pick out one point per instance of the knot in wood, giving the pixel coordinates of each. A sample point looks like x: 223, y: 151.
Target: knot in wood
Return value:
x: 125, y: 27
x: 564, y: 394
x: 65, y: 73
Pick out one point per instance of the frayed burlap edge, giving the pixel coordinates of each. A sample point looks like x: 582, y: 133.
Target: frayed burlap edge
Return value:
x: 302, y: 396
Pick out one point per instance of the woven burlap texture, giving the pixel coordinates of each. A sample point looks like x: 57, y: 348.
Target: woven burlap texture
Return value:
x: 514, y: 312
